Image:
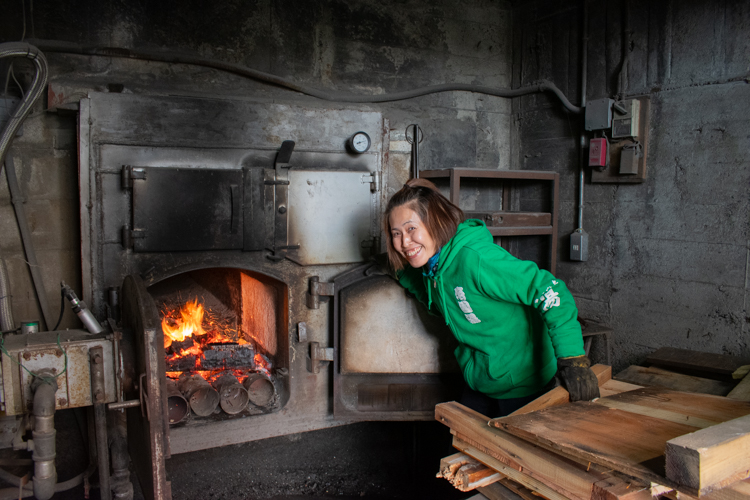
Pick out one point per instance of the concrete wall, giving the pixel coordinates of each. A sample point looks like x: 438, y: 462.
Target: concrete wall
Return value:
x: 668, y: 259
x: 356, y: 47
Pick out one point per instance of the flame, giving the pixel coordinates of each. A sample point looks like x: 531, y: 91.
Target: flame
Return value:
x: 189, y: 324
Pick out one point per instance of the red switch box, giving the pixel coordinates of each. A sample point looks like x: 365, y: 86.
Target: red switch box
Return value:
x: 598, y: 154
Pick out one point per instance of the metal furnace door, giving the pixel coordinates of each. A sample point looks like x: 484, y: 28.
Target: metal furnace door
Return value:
x: 148, y: 429
x: 393, y: 361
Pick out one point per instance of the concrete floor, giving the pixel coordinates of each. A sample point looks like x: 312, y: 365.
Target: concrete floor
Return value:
x: 376, y: 460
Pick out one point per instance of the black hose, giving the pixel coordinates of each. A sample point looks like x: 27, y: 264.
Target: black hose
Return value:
x: 62, y: 309
x: 173, y: 57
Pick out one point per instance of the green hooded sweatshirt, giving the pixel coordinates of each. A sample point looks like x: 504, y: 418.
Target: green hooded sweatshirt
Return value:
x: 512, y: 320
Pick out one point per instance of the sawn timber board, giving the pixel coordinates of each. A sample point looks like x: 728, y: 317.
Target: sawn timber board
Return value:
x: 627, y: 442
x: 624, y: 431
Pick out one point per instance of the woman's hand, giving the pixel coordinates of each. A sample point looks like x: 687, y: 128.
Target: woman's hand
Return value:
x: 578, y: 378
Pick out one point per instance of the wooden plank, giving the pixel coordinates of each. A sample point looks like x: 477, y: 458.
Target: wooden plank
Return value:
x: 697, y: 410
x: 559, y: 395
x: 654, y: 376
x: 559, y: 473
x: 520, y: 477
x: 612, y: 387
x: 742, y: 391
x: 739, y: 490
x: 719, y: 364
x: 626, y: 442
x: 512, y: 219
x: 498, y: 491
x: 710, y: 458
x: 449, y: 465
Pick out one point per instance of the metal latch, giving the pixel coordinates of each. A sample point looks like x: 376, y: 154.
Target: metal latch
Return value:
x: 130, y: 235
x: 373, y: 244
x: 373, y: 179
x: 318, y: 354
x: 130, y: 173
x: 318, y: 288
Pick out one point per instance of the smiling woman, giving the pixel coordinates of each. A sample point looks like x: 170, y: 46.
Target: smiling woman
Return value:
x: 516, y: 324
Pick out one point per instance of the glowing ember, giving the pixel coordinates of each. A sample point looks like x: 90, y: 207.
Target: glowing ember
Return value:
x: 197, y: 340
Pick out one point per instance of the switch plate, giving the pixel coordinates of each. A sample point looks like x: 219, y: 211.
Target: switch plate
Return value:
x: 598, y: 152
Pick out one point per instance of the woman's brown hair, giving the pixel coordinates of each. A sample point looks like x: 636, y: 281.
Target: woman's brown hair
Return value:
x: 439, y: 216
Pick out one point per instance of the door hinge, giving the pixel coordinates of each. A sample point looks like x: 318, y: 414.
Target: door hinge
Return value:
x: 319, y: 354
x: 130, y: 173
x: 373, y: 244
x: 373, y: 179
x: 317, y: 289
x: 130, y: 235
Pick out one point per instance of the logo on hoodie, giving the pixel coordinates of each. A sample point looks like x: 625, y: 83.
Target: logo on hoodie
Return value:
x: 465, y: 307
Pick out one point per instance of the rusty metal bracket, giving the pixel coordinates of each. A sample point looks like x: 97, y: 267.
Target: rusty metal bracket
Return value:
x: 143, y: 395
x: 317, y: 289
x: 319, y: 354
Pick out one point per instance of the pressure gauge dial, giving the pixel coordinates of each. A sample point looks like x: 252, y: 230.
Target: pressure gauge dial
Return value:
x: 358, y: 143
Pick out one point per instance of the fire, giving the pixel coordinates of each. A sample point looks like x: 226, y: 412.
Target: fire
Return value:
x: 189, y: 324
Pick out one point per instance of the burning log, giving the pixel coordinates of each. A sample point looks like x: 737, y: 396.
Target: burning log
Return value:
x: 203, y: 398
x: 260, y: 389
x: 227, y: 355
x: 178, y: 346
x: 177, y: 405
x: 181, y: 364
x: 233, y: 396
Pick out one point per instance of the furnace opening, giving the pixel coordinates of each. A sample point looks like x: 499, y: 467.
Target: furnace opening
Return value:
x: 225, y: 343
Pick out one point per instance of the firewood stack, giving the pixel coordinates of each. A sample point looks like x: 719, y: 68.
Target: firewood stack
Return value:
x: 654, y: 432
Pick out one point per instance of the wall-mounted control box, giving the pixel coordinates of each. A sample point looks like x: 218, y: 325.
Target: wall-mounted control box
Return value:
x: 628, y: 146
x: 626, y: 118
x: 598, y: 152
x: 579, y: 245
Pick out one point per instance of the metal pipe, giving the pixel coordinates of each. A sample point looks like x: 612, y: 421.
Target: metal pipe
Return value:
x: 21, y: 49
x: 6, y: 310
x: 122, y: 487
x: 582, y: 143
x: 100, y: 420
x: 45, y: 473
x: 172, y: 57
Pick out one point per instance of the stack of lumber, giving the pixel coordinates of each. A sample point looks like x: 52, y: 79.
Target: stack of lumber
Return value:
x: 639, y: 440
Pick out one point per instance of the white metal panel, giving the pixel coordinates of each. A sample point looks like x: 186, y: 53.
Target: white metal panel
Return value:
x: 330, y: 216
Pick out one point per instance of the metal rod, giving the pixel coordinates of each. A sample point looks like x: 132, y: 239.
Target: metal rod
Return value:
x: 582, y: 144
x: 123, y: 405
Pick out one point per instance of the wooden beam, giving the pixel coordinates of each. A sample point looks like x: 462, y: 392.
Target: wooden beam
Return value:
x: 520, y: 477
x: 711, y: 458
x: 498, y: 491
x: 559, y: 395
x: 653, y: 376
x: 742, y: 391
x: 563, y: 475
x: 697, y: 410
x: 718, y: 364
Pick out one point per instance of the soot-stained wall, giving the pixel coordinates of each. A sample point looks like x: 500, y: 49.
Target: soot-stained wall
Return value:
x: 668, y: 259
x: 362, y: 47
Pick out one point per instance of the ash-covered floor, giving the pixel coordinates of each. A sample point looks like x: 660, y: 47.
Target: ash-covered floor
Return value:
x: 375, y: 460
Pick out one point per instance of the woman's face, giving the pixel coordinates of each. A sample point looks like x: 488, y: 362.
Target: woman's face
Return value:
x: 410, y: 237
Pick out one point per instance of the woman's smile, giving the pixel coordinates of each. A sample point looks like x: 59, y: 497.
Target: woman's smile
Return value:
x: 411, y: 239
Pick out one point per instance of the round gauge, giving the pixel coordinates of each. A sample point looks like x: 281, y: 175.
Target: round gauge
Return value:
x: 358, y: 143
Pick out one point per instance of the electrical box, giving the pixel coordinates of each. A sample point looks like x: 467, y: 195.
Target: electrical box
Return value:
x: 629, y: 157
x: 628, y: 143
x: 598, y: 152
x: 579, y: 245
x: 626, y: 118
x: 598, y: 114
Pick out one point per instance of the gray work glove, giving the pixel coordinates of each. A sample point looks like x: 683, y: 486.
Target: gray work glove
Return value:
x: 578, y: 378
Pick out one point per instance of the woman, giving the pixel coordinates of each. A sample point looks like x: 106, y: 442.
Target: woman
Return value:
x: 516, y: 325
